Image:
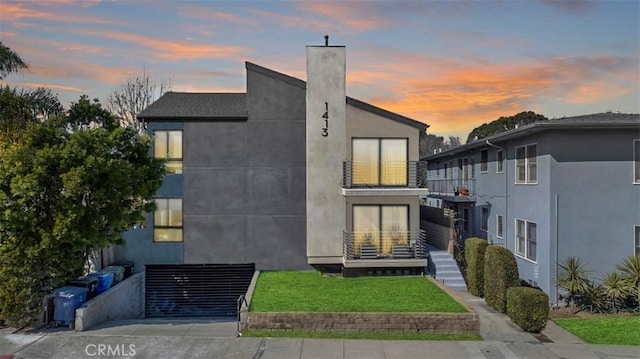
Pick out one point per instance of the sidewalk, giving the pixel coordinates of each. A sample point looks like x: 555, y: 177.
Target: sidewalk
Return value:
x: 193, y: 338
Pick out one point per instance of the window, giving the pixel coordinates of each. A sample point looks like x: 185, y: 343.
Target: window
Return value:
x: 465, y: 220
x: 379, y: 162
x: 167, y: 220
x: 485, y: 219
x: 499, y: 161
x: 637, y: 240
x: 484, y: 161
x: 382, y: 226
x: 168, y: 145
x: 472, y: 163
x: 438, y: 169
x: 526, y: 239
x: 636, y: 161
x: 499, y: 232
x: 465, y: 169
x: 526, y: 164
x: 445, y: 170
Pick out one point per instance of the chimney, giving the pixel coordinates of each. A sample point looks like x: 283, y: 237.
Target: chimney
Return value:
x: 326, y: 149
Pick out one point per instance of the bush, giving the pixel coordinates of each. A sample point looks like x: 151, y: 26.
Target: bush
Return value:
x: 500, y: 273
x: 474, y: 254
x: 528, y: 308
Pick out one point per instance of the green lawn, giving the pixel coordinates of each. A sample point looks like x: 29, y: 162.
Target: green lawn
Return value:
x: 621, y: 330
x: 289, y: 291
x: 358, y: 335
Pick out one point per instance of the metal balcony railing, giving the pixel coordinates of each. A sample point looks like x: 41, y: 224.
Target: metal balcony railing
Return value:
x: 452, y: 187
x: 384, y: 245
x: 358, y: 174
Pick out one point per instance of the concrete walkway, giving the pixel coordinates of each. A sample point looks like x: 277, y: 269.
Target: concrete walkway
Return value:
x: 158, y: 339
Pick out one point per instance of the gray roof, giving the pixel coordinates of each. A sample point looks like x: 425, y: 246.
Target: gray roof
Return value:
x: 608, y: 120
x: 220, y: 106
x: 201, y: 106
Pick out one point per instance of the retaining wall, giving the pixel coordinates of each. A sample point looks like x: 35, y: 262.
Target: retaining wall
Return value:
x: 125, y: 300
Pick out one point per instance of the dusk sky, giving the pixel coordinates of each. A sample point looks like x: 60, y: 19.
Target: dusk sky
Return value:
x: 451, y: 64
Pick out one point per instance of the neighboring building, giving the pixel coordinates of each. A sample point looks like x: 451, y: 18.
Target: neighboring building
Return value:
x: 289, y: 175
x: 547, y: 191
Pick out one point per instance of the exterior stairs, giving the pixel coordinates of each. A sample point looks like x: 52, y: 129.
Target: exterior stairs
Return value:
x: 445, y: 269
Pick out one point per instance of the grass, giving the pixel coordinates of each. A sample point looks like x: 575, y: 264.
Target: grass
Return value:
x: 358, y: 335
x: 617, y: 330
x: 289, y: 291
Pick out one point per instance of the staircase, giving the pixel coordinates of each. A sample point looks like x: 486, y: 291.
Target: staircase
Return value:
x: 446, y: 269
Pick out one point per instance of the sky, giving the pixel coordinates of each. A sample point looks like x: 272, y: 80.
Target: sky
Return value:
x: 451, y: 64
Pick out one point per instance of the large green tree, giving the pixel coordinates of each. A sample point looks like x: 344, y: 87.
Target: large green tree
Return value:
x: 504, y: 123
x: 70, y: 185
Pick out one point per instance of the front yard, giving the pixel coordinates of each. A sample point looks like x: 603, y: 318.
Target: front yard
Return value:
x: 290, y: 291
x: 610, y: 329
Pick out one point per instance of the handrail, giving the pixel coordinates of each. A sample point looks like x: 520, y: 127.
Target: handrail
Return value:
x: 241, y: 299
x: 415, y: 239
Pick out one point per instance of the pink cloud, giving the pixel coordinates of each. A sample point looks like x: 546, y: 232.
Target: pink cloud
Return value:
x: 17, y: 12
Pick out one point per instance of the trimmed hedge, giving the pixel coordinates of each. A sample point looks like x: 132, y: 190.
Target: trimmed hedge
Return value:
x: 474, y: 249
x: 500, y: 273
x: 528, y: 308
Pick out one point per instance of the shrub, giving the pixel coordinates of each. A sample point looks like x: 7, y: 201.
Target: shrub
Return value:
x: 474, y: 254
x: 528, y: 308
x: 500, y: 273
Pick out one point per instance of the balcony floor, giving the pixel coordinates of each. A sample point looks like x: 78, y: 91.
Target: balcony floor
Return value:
x: 384, y: 263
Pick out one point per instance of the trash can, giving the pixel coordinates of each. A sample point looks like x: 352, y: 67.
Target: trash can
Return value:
x: 118, y: 273
x: 105, y: 280
x: 91, y: 283
x: 65, y: 302
x: 128, y: 267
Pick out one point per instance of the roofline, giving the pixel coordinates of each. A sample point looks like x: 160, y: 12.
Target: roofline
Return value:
x: 529, y: 129
x: 201, y: 118
x: 388, y: 114
x: 350, y: 101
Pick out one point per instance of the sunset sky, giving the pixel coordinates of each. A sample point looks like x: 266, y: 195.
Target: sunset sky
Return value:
x: 451, y: 64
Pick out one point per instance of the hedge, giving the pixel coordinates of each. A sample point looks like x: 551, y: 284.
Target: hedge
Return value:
x: 474, y: 255
x: 528, y: 308
x: 500, y: 273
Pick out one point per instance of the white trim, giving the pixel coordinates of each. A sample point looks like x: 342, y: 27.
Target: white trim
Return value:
x: 526, y: 240
x: 482, y: 219
x: 498, y: 234
x: 636, y: 176
x: 526, y: 165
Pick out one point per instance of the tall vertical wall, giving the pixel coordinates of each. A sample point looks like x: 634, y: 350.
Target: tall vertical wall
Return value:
x: 326, y: 150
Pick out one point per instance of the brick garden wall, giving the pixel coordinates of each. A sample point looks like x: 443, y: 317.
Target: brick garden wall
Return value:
x: 442, y: 323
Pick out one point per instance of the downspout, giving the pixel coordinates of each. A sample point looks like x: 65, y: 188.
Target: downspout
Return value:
x: 557, y: 215
x: 505, y: 226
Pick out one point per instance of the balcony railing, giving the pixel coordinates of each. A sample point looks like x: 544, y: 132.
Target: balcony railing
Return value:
x: 452, y: 187
x: 357, y: 174
x: 384, y: 245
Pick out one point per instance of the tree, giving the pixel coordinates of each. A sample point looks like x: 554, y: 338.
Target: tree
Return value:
x: 573, y: 277
x: 503, y: 124
x: 429, y: 143
x: 10, y: 61
x: 135, y: 95
x: 615, y: 288
x: 70, y: 185
x: 630, y: 269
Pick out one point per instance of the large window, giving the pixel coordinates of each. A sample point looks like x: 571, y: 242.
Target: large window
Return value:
x: 527, y: 164
x: 636, y: 161
x: 167, y: 220
x: 499, y: 228
x: 637, y: 240
x: 379, y: 162
x: 499, y: 161
x: 381, y: 226
x: 484, y: 161
x: 168, y: 145
x: 526, y: 239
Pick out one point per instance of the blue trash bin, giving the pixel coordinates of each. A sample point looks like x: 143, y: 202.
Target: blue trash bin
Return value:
x: 105, y: 280
x: 65, y: 302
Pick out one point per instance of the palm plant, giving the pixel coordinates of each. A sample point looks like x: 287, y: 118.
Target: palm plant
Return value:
x: 572, y: 277
x: 630, y: 269
x: 616, y: 288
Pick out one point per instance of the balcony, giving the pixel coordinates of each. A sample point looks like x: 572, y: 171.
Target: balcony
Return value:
x: 381, y: 178
x: 384, y: 249
x: 455, y: 190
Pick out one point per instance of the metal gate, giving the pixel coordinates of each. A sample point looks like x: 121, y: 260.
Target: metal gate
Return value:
x: 195, y: 290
